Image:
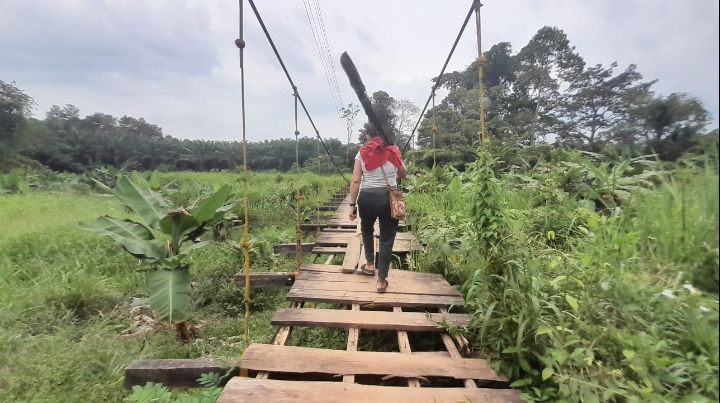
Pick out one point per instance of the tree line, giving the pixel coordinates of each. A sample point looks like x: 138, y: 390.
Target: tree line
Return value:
x: 545, y: 93
x: 65, y: 141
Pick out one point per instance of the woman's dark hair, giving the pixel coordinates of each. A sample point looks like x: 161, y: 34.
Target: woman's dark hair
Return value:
x: 371, y: 131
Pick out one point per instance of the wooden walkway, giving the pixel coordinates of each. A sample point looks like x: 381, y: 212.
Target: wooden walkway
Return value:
x: 414, y: 302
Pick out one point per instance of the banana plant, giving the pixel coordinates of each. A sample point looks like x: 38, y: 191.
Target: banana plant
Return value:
x: 610, y: 183
x: 164, y: 240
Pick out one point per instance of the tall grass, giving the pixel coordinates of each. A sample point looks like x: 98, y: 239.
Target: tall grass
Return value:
x: 587, y: 305
x: 680, y: 223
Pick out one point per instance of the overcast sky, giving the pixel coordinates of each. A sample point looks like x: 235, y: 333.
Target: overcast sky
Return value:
x: 174, y: 63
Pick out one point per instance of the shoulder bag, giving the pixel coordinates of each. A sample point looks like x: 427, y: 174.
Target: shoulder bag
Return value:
x: 397, y: 200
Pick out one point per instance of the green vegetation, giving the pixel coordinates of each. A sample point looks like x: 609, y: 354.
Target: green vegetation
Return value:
x: 588, y: 280
x: 168, y: 276
x: 69, y: 322
x: 588, y: 276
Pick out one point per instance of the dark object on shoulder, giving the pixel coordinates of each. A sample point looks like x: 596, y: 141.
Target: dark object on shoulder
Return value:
x: 359, y: 87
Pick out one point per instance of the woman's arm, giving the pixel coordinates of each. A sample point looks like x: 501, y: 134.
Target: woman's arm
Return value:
x: 355, y: 187
x: 402, y: 172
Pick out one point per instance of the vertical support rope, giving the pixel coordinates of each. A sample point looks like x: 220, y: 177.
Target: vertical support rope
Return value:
x: 481, y: 63
x: 245, y: 244
x: 298, y: 196
x: 434, y: 128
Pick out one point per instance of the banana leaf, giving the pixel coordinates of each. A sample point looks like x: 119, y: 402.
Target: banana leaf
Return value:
x: 132, y: 236
x: 146, y: 203
x: 170, y: 294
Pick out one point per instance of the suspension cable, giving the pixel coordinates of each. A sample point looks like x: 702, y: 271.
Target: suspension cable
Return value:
x: 292, y: 84
x: 439, y: 77
x: 321, y: 52
x: 245, y: 244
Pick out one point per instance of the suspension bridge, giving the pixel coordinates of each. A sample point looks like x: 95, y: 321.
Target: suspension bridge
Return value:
x: 418, y: 307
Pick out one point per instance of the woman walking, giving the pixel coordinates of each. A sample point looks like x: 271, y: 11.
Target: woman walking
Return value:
x: 377, y: 167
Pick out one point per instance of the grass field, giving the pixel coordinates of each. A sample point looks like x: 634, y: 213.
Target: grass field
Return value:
x: 65, y: 294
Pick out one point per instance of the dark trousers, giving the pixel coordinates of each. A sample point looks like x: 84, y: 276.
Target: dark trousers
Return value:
x: 374, y: 204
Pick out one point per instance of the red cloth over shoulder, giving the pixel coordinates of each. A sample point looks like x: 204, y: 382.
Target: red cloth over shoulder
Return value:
x: 375, y: 153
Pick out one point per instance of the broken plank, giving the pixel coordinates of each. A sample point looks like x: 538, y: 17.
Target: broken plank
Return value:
x: 291, y: 248
x: 453, y: 351
x: 266, y: 279
x: 328, y: 250
x: 404, y: 346
x: 281, y: 337
x: 352, y: 255
x: 352, y: 342
x: 175, y: 373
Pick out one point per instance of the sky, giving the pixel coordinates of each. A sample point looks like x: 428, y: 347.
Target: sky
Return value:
x: 174, y: 62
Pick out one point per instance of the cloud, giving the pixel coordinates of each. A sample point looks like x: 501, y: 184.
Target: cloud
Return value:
x: 174, y: 62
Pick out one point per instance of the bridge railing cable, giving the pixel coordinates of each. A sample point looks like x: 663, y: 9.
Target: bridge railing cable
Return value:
x: 439, y: 76
x: 292, y: 83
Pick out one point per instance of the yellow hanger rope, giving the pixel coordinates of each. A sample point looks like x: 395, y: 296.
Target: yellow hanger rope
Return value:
x: 298, y: 197
x: 434, y: 126
x: 245, y: 244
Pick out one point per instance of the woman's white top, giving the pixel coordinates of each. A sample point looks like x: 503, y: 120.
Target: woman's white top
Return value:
x: 374, y: 178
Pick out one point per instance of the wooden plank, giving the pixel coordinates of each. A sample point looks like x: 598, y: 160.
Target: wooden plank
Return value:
x: 334, y: 273
x: 401, y: 248
x: 400, y: 288
x: 352, y: 255
x: 339, y: 230
x: 378, y: 320
x: 175, y: 373
x: 241, y: 390
x: 352, y: 342
x: 404, y: 281
x: 334, y: 237
x: 323, y: 281
x: 397, y: 273
x: 302, y: 360
x: 266, y: 279
x: 404, y: 346
x: 380, y: 299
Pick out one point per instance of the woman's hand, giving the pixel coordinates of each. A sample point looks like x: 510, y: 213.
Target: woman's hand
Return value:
x: 353, y: 214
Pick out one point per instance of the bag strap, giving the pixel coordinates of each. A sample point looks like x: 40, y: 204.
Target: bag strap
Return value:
x: 386, y: 180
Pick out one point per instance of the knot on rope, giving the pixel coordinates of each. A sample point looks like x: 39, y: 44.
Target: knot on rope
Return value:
x: 297, y: 133
x: 245, y: 244
x: 240, y: 43
x: 298, y: 197
x: 482, y: 59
